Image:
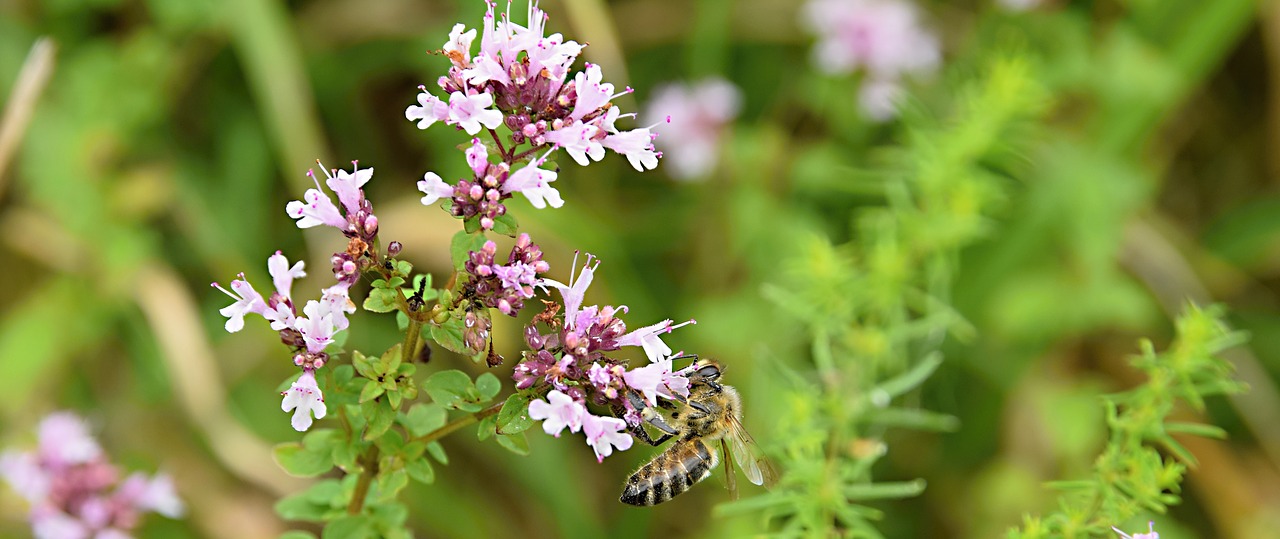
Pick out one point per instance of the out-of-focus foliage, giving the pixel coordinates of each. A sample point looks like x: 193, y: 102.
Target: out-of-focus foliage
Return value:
x: 1071, y: 176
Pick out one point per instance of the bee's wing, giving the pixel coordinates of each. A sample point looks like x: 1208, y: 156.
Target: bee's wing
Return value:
x: 730, y: 476
x: 754, y: 464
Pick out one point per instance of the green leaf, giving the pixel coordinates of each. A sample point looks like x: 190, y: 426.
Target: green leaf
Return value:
x: 488, y: 386
x: 390, y: 360
x: 301, y: 461
x: 403, y: 267
x: 464, y: 242
x: 514, y: 416
x: 380, y: 416
x: 297, y: 534
x: 394, y: 398
x: 516, y: 443
x: 420, y: 470
x: 471, y: 226
x: 423, y: 419
x: 343, y: 373
x: 366, y: 366
x: 487, y: 428
x: 448, y: 388
x: 437, y: 452
x: 346, y: 453
x: 349, y: 527
x: 372, y: 390
x: 313, y: 504
x: 381, y: 300
x: 390, y: 484
x: 506, y: 225
x: 449, y: 335
x: 390, y: 518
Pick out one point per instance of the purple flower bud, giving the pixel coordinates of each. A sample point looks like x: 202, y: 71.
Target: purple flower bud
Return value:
x: 371, y: 226
x: 486, y: 223
x: 393, y: 248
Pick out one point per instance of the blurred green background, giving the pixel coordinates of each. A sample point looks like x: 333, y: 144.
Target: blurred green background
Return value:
x: 171, y: 133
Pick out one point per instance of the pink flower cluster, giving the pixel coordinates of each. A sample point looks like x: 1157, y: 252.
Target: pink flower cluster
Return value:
x: 505, y: 286
x: 883, y: 38
x: 75, y: 492
x: 307, y: 335
x: 697, y: 115
x: 355, y: 220
x: 520, y: 79
x: 573, y: 363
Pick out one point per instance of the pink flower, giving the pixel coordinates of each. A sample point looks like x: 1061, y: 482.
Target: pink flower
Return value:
x: 637, y: 145
x: 318, y: 326
x: 578, y: 139
x: 151, y: 494
x: 603, y: 434
x: 65, y: 440
x: 458, y: 49
x: 882, y: 37
x: 478, y: 157
x: 471, y: 111
x: 649, y: 339
x: 347, y: 185
x: 434, y: 188
x: 69, y: 483
x: 279, y: 309
x: 282, y: 274
x: 698, y: 114
x: 657, y: 379
x: 317, y: 210
x: 247, y: 299
x: 879, y: 98
x: 535, y: 184
x: 574, y: 292
x: 557, y: 412
x: 429, y: 110
x: 336, y: 300
x: 592, y: 92
x: 305, y: 399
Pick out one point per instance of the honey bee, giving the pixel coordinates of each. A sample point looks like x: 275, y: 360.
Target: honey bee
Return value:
x: 712, y: 412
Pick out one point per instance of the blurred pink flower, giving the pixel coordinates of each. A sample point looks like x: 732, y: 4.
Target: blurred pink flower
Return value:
x: 883, y: 38
x: 75, y: 493
x: 696, y: 115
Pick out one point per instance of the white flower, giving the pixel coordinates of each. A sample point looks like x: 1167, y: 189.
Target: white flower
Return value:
x: 434, y: 188
x: 603, y: 434
x: 305, y: 399
x: 557, y: 412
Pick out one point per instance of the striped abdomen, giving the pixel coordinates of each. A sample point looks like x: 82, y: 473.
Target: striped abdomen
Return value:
x: 670, y: 473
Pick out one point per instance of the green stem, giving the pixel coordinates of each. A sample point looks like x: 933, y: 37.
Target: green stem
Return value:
x: 459, y: 423
x: 369, y: 461
x: 411, y: 338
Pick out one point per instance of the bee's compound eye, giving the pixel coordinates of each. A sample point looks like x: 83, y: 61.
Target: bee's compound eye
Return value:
x: 708, y: 372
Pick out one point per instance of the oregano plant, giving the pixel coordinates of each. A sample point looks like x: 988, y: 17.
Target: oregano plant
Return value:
x: 381, y: 418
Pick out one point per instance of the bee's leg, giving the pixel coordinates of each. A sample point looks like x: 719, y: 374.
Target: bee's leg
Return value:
x: 699, y: 407
x: 639, y: 432
x: 684, y: 356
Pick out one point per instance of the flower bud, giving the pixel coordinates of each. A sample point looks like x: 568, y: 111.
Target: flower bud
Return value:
x: 393, y: 248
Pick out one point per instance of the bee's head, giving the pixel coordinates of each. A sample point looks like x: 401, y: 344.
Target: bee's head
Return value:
x: 705, y: 372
